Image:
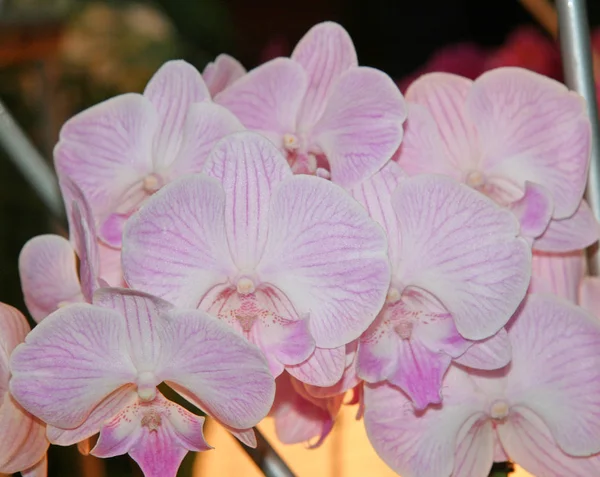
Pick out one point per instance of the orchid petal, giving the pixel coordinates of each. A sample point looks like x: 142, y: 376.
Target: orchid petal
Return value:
x: 529, y: 443
x: 533, y: 129
x: 104, y: 412
x: 13, y: 329
x: 361, y: 126
x: 221, y: 73
x: 589, y: 295
x: 268, y: 98
x: 327, y: 256
x: 444, y: 96
x: 70, y: 363
x: 106, y: 149
x: 175, y: 247
x: 111, y: 272
x: 215, y: 368
x: 205, y: 125
x: 422, y: 149
x: 420, y: 443
x: 249, y: 167
x: 40, y: 469
x: 325, y: 52
x: 375, y: 194
x: 172, y: 89
x: 491, y: 353
x: 143, y: 320
x: 558, y: 274
x: 420, y: 372
x: 578, y: 231
x: 24, y: 441
x: 475, y: 450
x: 555, y: 370
x: 534, y: 210
x: 323, y: 368
x: 462, y: 249
x: 47, y: 265
x: 89, y: 260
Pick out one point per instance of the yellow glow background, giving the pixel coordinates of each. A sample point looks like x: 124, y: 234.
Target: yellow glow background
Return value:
x: 345, y: 453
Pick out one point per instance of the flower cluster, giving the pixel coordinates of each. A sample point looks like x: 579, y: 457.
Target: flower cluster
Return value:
x: 264, y: 242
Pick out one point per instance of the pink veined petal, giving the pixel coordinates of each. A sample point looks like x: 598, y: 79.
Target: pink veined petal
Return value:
x: 70, y: 363
x: 47, y: 266
x: 589, y: 295
x: 38, y: 470
x: 491, y: 353
x: 86, y: 243
x: 578, y: 231
x: 558, y: 273
x: 422, y: 149
x: 157, y: 435
x: 327, y: 256
x: 420, y: 372
x: 377, y: 358
x: 529, y: 443
x: 283, y: 335
x: 361, y: 126
x: 268, y: 98
x: 555, y: 370
x: 444, y: 95
x: 245, y: 436
x: 221, y: 73
x: 463, y: 249
x: 348, y: 381
x: 205, y: 124
x: 325, y: 52
x: 249, y: 167
x: 143, y: 319
x: 420, y: 443
x: 175, y: 247
x: 215, y: 368
x: 111, y: 271
x: 532, y: 128
x: 13, y: 329
x: 323, y: 368
x: 375, y: 195
x: 106, y: 149
x: 296, y: 419
x: 24, y: 440
x: 534, y: 210
x: 104, y: 412
x: 475, y: 449
x: 172, y: 89
x: 111, y: 230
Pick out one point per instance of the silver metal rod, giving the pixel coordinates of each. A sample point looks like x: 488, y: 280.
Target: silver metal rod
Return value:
x: 30, y: 162
x: 576, y: 52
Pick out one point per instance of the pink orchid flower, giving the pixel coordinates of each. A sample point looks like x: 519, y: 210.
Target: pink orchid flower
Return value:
x: 328, y: 115
x: 589, y: 295
x: 123, y: 150
x: 95, y: 368
x: 541, y: 411
x: 291, y: 262
x: 50, y: 277
x: 459, y: 272
x: 23, y: 444
x: 516, y: 136
x: 300, y: 417
x: 221, y: 73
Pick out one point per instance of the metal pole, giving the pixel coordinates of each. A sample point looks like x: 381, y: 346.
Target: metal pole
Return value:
x: 30, y: 162
x: 574, y: 35
x: 268, y: 461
